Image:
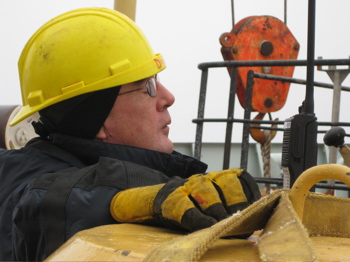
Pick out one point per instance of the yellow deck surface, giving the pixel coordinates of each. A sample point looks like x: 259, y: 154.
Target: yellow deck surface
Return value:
x: 127, y: 242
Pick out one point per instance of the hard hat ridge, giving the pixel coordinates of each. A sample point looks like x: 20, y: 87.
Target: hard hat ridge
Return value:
x: 82, y: 51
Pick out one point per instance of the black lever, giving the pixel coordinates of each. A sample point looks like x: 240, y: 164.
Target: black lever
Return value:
x: 335, y: 137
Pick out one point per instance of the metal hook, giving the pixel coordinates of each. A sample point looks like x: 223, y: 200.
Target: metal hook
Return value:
x: 259, y: 135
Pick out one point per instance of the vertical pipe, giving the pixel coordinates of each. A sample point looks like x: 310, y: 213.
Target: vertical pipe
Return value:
x: 127, y: 7
x: 335, y: 111
x: 246, y: 128
x: 336, y: 96
x: 230, y: 114
x: 309, y: 97
x: 200, y: 114
x: 233, y: 13
x: 285, y: 12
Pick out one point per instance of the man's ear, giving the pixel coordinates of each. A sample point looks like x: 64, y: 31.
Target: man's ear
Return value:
x: 101, y: 134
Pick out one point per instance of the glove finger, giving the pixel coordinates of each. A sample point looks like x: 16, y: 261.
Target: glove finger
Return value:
x: 234, y: 208
x: 194, y: 220
x: 230, y: 189
x: 179, y: 195
x: 184, y: 198
x: 250, y: 187
x: 205, y: 197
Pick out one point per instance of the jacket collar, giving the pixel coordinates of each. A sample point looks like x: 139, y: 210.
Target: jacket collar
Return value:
x: 89, y: 152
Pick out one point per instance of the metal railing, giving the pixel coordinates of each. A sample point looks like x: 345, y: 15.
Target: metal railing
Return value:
x: 230, y: 119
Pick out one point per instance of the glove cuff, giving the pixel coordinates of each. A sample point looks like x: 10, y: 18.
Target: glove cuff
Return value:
x: 134, y: 205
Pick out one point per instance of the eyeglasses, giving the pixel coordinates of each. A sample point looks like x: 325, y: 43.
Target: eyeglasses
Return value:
x: 151, y: 86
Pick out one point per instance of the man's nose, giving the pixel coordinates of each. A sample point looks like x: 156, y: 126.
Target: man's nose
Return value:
x: 166, y: 98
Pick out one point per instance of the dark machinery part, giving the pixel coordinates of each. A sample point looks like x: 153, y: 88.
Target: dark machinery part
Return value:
x: 335, y: 137
x: 299, y: 150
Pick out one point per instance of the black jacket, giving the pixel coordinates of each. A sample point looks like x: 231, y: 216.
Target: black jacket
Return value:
x: 50, y: 190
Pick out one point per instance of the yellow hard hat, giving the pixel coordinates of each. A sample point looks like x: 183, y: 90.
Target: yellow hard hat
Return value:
x: 81, y: 51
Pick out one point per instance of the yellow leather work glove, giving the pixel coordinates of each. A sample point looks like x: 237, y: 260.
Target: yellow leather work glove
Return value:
x: 191, y: 204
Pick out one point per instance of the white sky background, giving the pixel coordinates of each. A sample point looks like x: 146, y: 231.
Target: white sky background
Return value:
x: 187, y: 33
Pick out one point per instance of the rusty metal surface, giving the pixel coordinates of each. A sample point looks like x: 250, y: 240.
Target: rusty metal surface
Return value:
x: 257, y: 134
x: 261, y: 38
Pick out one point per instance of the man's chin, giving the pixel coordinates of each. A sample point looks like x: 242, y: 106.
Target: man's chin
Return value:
x: 166, y: 146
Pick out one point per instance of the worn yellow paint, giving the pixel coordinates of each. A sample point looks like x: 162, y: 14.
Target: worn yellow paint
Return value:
x: 130, y: 242
x: 312, y: 176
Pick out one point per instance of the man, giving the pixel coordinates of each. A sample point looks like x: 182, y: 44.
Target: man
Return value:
x: 103, y: 127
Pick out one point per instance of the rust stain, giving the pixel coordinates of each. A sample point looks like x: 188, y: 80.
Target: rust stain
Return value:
x: 246, y: 40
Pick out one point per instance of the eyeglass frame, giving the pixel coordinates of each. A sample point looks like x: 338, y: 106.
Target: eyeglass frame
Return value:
x: 151, y: 86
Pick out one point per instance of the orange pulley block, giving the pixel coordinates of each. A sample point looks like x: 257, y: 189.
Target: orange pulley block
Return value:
x: 261, y: 38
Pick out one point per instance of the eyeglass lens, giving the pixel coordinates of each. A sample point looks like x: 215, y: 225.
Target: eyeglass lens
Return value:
x: 151, y: 86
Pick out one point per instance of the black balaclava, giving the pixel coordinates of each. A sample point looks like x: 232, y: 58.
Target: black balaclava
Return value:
x: 81, y: 116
